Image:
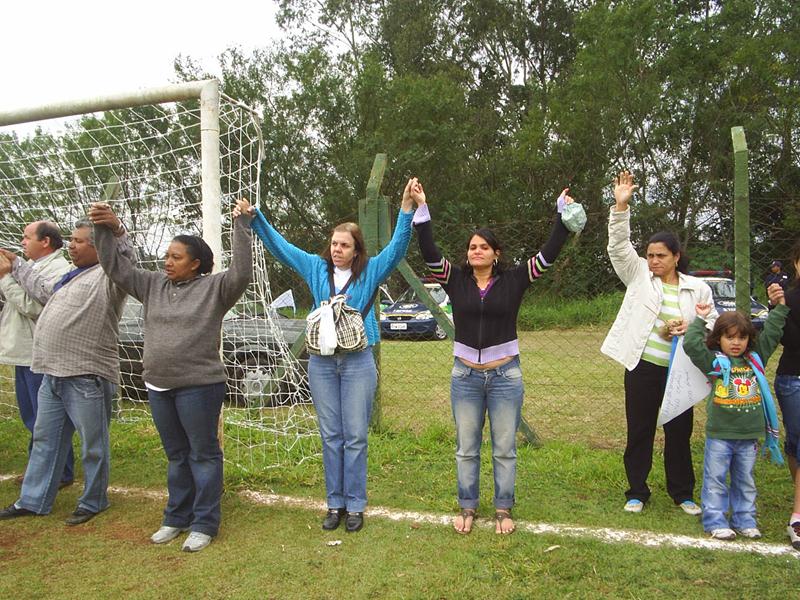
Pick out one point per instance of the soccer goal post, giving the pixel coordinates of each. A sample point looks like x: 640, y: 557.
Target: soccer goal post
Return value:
x: 182, y: 155
x: 207, y: 92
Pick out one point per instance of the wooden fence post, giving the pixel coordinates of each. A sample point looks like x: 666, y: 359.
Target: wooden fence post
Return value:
x: 741, y: 220
x: 372, y: 210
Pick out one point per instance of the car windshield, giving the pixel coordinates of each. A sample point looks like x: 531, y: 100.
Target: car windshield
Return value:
x: 723, y: 288
x: 438, y: 293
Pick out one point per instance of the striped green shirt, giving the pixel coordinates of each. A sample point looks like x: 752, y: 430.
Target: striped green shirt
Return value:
x: 657, y: 350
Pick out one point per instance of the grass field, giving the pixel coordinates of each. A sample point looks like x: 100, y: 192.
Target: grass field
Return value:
x: 572, y: 391
x: 278, y: 552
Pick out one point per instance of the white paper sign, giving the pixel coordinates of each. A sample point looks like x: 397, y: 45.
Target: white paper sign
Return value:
x: 286, y: 299
x: 686, y: 385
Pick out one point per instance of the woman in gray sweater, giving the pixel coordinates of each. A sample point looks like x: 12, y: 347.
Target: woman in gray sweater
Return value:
x: 183, y: 310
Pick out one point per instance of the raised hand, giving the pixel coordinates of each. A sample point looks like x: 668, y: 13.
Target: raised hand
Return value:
x: 242, y: 207
x: 5, y: 264
x: 406, y: 202
x: 702, y: 309
x: 417, y: 193
x: 8, y: 254
x: 563, y: 200
x: 100, y: 213
x: 776, y: 294
x: 623, y: 190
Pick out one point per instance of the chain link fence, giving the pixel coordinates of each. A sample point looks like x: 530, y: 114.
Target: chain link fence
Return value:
x: 573, y: 392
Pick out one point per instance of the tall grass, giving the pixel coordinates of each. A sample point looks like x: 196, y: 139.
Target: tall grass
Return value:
x: 556, y: 312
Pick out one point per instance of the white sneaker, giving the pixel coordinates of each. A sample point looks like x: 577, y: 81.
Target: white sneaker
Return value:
x: 166, y: 534
x: 196, y: 542
x: 633, y: 505
x: 751, y: 533
x: 793, y: 530
x: 723, y: 533
x: 690, y: 507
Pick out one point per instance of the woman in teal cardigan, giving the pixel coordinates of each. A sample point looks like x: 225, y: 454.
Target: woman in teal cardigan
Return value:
x: 343, y: 384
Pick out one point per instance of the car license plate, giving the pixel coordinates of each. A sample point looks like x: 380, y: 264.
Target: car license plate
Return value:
x: 398, y: 326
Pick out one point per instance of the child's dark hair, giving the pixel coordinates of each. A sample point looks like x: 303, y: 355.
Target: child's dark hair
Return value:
x: 673, y: 244
x: 732, y: 320
x: 197, y: 249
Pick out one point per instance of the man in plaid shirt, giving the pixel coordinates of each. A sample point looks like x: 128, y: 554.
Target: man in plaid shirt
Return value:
x: 75, y: 347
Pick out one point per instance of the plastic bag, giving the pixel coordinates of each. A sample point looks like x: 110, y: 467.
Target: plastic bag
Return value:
x: 327, y: 331
x: 574, y: 217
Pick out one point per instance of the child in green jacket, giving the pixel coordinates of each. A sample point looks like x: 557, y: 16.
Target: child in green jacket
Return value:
x: 738, y: 406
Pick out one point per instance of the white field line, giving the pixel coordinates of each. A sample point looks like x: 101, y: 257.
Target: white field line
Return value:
x: 602, y: 534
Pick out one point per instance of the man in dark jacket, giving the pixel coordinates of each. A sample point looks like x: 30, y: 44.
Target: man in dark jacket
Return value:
x: 776, y: 275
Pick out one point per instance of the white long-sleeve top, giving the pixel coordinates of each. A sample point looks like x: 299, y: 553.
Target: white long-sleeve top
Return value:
x: 644, y: 294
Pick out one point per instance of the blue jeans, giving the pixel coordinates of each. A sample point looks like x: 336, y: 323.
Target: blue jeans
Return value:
x: 67, y: 404
x: 473, y: 393
x: 343, y: 390
x: 26, y: 385
x: 187, y: 420
x: 787, y: 389
x: 737, y: 457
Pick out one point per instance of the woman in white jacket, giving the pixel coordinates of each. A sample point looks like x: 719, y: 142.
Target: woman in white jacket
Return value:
x: 659, y: 304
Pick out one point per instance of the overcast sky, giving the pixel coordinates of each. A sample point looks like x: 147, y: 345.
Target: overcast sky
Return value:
x: 51, y: 50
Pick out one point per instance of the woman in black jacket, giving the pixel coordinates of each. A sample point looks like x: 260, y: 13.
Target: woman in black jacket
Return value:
x: 787, y: 389
x: 486, y: 374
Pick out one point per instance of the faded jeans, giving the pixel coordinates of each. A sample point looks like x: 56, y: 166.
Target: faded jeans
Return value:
x: 343, y: 390
x: 67, y: 404
x: 473, y: 394
x: 27, y: 384
x: 787, y: 389
x: 737, y: 457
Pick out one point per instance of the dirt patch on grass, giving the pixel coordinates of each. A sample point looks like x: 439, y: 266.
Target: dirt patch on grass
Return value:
x: 174, y: 562
x: 9, y: 544
x: 81, y: 530
x: 605, y: 444
x: 127, y: 533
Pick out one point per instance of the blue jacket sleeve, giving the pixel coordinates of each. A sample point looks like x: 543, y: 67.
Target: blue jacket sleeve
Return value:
x: 301, y: 261
x: 382, y: 264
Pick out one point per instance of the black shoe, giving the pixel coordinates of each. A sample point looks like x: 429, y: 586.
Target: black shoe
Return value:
x: 12, y: 512
x: 81, y: 515
x: 354, y: 522
x: 333, y: 518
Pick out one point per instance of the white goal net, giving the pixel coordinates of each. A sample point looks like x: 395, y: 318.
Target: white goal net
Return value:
x: 154, y: 151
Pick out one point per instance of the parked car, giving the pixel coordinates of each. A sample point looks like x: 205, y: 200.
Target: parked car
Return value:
x: 410, y: 318
x: 250, y: 352
x: 384, y: 297
x: 723, y: 290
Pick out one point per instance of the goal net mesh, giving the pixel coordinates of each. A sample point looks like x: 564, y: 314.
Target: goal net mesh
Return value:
x: 154, y: 152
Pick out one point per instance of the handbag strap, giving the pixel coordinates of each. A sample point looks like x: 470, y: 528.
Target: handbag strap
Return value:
x: 344, y: 289
x: 333, y: 288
